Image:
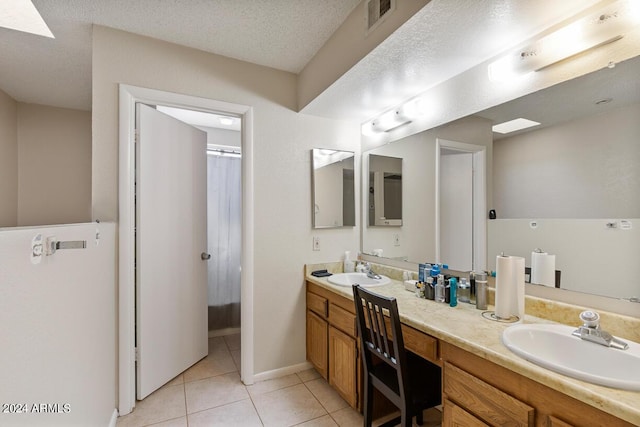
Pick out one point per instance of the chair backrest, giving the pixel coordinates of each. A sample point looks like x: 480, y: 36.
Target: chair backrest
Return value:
x: 380, y: 336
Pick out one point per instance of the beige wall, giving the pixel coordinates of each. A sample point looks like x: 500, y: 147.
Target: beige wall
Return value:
x: 282, y: 168
x: 54, y: 174
x: 8, y: 161
x: 586, y: 168
x: 348, y: 45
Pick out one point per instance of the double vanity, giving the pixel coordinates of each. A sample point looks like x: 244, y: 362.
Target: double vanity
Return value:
x: 484, y: 382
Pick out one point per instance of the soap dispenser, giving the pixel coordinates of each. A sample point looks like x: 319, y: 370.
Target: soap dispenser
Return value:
x: 349, y: 265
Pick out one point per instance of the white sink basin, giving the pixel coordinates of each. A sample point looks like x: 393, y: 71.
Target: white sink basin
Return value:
x: 553, y: 347
x: 349, y: 279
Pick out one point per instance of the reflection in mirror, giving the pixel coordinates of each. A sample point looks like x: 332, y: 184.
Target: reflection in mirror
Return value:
x: 333, y: 196
x: 385, y: 190
x: 568, y: 186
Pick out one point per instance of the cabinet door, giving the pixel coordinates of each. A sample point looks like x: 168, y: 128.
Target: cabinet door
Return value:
x: 455, y: 416
x: 343, y: 365
x: 317, y: 343
x: 555, y: 422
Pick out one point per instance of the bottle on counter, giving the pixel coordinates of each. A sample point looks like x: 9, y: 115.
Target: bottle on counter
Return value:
x: 453, y: 292
x: 429, y: 289
x: 481, y: 291
x: 464, y: 289
x: 440, y: 289
x: 472, y: 287
x: 349, y: 265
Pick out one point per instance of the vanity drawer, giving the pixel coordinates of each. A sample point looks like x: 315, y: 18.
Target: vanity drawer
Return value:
x: 342, y: 319
x: 317, y: 304
x: 420, y: 343
x: 484, y: 401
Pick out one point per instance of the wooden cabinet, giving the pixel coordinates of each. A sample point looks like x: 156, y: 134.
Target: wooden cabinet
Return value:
x: 332, y: 342
x: 476, y: 391
x: 317, y: 334
x: 343, y: 365
x: 455, y: 416
x: 495, y: 396
x: 484, y: 400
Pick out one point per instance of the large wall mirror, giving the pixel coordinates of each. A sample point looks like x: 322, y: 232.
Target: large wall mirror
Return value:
x: 569, y: 186
x: 333, y: 195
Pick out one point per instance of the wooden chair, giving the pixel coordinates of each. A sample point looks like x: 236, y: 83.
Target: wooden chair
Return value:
x: 411, y: 383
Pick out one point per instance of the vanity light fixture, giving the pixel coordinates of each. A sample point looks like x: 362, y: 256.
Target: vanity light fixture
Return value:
x: 22, y: 15
x: 390, y: 120
x: 400, y: 116
x: 604, y: 26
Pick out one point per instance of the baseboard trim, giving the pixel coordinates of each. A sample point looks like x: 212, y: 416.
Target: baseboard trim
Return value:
x: 114, y: 418
x: 281, y: 372
x: 223, y: 332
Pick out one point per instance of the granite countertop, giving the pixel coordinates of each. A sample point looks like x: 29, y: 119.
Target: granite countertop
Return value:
x: 465, y: 327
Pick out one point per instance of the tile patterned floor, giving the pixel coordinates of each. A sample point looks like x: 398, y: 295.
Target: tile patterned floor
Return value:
x: 210, y: 393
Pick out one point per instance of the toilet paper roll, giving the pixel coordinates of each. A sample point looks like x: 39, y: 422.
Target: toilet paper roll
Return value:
x: 543, y: 269
x: 377, y: 252
x: 509, y: 287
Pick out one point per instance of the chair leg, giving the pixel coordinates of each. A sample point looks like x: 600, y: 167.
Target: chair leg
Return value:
x: 368, y: 402
x: 406, y: 419
x: 406, y: 416
x: 419, y: 417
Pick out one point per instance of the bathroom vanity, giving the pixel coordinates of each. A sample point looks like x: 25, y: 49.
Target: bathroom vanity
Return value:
x: 483, y: 382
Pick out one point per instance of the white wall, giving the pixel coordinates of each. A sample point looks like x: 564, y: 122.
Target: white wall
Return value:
x: 216, y: 136
x: 282, y: 168
x: 586, y: 168
x: 54, y: 173
x: 58, y: 328
x: 417, y: 234
x: 8, y: 161
x: 592, y: 258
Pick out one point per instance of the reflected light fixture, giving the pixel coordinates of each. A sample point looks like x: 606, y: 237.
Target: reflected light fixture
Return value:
x: 227, y: 121
x: 605, y: 26
x: 22, y: 15
x: 514, y: 125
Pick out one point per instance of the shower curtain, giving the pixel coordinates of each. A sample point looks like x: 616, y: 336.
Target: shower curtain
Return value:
x: 224, y: 212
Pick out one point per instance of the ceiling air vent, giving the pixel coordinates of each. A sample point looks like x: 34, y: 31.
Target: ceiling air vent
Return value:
x: 377, y: 11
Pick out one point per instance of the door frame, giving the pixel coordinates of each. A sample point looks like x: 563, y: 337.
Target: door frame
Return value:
x: 129, y: 96
x: 479, y: 198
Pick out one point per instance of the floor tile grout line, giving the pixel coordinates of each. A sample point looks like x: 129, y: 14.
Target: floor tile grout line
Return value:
x: 186, y: 408
x: 318, y: 400
x: 219, y: 406
x: 255, y: 408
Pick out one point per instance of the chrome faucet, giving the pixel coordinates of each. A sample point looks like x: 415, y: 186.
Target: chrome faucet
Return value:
x: 366, y: 268
x: 590, y: 331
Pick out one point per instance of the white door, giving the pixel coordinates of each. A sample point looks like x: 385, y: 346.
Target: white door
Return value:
x: 456, y: 210
x: 171, y: 236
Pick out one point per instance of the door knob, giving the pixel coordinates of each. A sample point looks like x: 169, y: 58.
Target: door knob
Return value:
x: 205, y: 256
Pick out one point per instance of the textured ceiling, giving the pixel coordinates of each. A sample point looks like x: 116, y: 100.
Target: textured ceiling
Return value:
x: 444, y: 39
x: 283, y: 34
x: 573, y: 99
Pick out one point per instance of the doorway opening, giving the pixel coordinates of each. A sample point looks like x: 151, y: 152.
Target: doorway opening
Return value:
x: 129, y: 96
x: 461, y: 205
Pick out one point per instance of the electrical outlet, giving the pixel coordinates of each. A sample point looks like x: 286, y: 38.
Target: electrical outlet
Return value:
x: 316, y: 243
x: 396, y: 239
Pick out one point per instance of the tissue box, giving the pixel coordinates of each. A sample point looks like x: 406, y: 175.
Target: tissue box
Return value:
x: 410, y: 285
